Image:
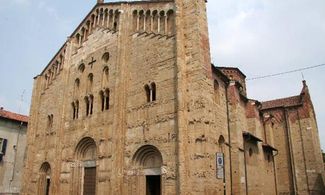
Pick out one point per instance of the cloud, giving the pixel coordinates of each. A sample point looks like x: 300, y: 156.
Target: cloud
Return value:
x: 263, y: 37
x: 51, y: 11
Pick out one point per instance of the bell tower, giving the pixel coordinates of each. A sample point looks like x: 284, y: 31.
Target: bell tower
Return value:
x: 100, y: 1
x: 194, y: 85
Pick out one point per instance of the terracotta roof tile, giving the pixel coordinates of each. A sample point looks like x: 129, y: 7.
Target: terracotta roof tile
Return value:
x: 13, y: 116
x: 284, y: 102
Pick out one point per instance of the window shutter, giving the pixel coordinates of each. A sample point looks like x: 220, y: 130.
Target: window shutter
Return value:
x: 4, y: 147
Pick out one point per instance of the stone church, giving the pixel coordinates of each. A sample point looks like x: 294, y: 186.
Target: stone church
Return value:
x: 130, y: 104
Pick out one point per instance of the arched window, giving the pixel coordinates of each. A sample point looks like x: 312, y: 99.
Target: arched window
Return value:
x: 162, y: 22
x: 81, y: 68
x: 155, y: 24
x: 147, y: 90
x: 111, y: 18
x: 87, y: 104
x: 50, y: 121
x: 148, y: 21
x: 74, y: 110
x: 216, y: 92
x: 44, y: 183
x: 153, y: 92
x: 90, y: 82
x: 77, y: 109
x: 116, y: 20
x: 170, y: 22
x: 135, y: 20
x: 141, y: 21
x: 221, y: 140
x: 107, y: 94
x: 91, y: 101
x: 105, y: 76
x: 102, y: 100
x: 76, y: 87
x: 106, y: 57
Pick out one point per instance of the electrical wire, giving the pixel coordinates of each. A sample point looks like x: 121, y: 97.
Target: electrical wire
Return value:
x: 286, y: 72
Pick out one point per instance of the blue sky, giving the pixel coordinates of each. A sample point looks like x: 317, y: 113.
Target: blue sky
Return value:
x: 258, y: 36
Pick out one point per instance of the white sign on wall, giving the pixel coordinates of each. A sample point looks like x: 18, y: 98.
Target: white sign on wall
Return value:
x: 220, y: 164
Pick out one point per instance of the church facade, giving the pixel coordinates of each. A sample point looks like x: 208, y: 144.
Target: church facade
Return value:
x: 131, y: 104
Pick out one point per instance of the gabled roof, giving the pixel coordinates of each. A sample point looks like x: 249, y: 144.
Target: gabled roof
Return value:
x: 283, y: 102
x: 13, y: 116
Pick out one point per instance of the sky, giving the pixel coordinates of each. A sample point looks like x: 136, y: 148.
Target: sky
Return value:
x: 261, y: 37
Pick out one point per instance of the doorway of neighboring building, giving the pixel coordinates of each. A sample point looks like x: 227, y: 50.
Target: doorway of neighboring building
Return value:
x: 90, y: 181
x: 153, y: 184
x: 48, y: 183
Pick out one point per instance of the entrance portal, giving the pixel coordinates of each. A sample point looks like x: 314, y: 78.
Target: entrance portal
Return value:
x: 153, y: 183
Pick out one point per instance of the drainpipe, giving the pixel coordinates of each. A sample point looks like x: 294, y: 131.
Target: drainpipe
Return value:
x: 291, y: 156
x: 303, y: 151
x: 229, y: 137
x: 15, y: 157
x: 275, y: 176
x: 273, y: 155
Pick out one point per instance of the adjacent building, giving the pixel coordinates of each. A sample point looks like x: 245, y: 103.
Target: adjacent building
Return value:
x: 13, y: 130
x: 131, y: 104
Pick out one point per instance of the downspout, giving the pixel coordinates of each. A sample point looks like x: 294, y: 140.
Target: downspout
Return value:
x: 229, y: 137
x: 292, y: 164
x: 275, y: 176
x: 15, y: 157
x: 303, y: 151
x: 273, y: 161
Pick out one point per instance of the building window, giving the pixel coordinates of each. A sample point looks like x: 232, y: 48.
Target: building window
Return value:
x: 105, y: 76
x: 75, y: 107
x: 151, y: 92
x: 3, y: 147
x: 81, y: 68
x: 50, y: 121
x: 216, y: 92
x: 90, y: 82
x: 89, y: 102
x: 250, y: 151
x: 104, y: 98
x: 147, y: 90
x: 76, y: 87
x: 106, y: 57
x: 107, y: 94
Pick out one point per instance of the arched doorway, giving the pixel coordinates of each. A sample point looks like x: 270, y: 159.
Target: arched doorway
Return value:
x: 85, y: 171
x: 44, y: 184
x: 148, y: 160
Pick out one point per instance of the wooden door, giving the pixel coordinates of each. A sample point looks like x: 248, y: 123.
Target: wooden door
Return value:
x: 90, y: 181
